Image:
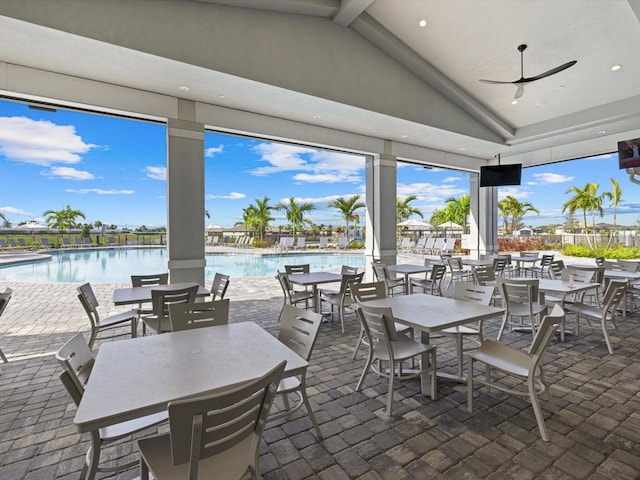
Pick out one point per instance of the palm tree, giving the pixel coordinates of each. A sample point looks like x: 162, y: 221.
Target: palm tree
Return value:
x: 206, y: 214
x: 63, y: 219
x: 503, y: 211
x: 347, y: 207
x: 587, y: 200
x: 510, y: 206
x: 257, y: 216
x: 5, y: 221
x: 404, y: 210
x: 616, y: 197
x: 295, y: 213
x: 458, y: 210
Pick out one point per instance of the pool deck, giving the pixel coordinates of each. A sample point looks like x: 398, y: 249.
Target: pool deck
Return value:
x: 594, y: 429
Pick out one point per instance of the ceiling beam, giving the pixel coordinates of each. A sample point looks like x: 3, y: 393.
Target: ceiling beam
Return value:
x: 350, y: 10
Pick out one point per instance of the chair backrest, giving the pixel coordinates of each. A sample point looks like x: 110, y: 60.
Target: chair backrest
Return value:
x: 162, y: 298
x: 546, y: 260
x: 348, y: 269
x: 579, y: 276
x: 600, y: 261
x: 380, y: 270
x: 378, y: 325
x: 66, y: 241
x: 3, y: 243
x: 529, y: 254
x: 299, y: 330
x: 556, y: 268
x: 499, y: 264
x: 90, y: 303
x: 77, y: 361
x: 349, y: 279
x: 545, y: 333
x: 4, y: 299
x: 284, y: 284
x: 628, y: 266
x: 519, y: 291
x: 613, y: 295
x: 324, y: 241
x: 86, y: 240
x: 342, y: 242
x: 361, y: 292
x: 12, y: 243
x: 598, y: 272
x: 219, y: 286
x: 611, y: 265
x: 483, y: 274
x: 149, y: 280
x: 437, y: 274
x: 205, y: 426
x: 301, y: 242
x: 44, y: 241
x: 481, y: 294
x: 305, y: 268
x: 185, y: 316
x: 21, y: 242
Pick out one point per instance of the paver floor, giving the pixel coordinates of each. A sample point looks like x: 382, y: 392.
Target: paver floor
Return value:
x: 595, y: 429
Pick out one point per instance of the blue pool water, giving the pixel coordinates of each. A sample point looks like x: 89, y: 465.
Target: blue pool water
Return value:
x: 115, y: 265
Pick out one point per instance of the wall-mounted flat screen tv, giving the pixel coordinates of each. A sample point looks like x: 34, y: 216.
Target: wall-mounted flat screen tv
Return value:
x: 498, y: 175
x: 629, y: 153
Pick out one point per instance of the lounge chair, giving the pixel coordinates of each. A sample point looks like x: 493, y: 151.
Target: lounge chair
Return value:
x: 44, y: 242
x: 324, y: 242
x: 22, y: 244
x: 111, y: 241
x: 66, y: 242
x: 342, y: 242
x: 301, y: 243
x: 77, y: 241
x: 86, y: 241
x: 3, y: 244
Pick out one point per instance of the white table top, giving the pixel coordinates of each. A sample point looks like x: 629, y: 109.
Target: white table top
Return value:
x: 133, y: 295
x: 476, y: 262
x: 407, y: 268
x: 139, y: 376
x: 561, y: 286
x: 314, y: 278
x: 621, y: 275
x: 431, y: 313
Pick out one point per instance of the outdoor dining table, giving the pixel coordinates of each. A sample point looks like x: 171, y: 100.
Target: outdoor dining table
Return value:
x: 140, y: 376
x: 407, y: 269
x: 432, y: 313
x: 135, y: 295
x: 477, y: 262
x: 522, y: 261
x: 314, y: 279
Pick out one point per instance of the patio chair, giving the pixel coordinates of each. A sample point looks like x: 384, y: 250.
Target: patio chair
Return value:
x: 185, y: 316
x: 458, y: 271
x: 341, y: 299
x: 362, y: 292
x: 323, y: 243
x: 219, y: 286
x: 555, y: 269
x: 342, y: 242
x: 111, y: 241
x: 298, y: 330
x: 381, y: 272
x: 520, y: 298
x: 22, y: 244
x: 449, y: 245
x: 77, y: 241
x: 518, y: 364
x: 4, y: 301
x: 86, y: 241
x: 606, y: 315
x: 394, y: 349
x: 3, y: 244
x: 542, y: 270
x: 44, y: 242
x: 293, y: 269
x: 159, y: 320
x: 66, y: 242
x: 499, y: 266
x: 12, y: 243
x: 149, y: 280
x: 90, y: 303
x: 77, y: 361
x: 301, y: 243
x: 291, y: 296
x: 214, y: 436
x: 432, y: 281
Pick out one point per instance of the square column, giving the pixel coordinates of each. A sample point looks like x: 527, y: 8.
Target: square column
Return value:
x: 483, y: 219
x: 185, y: 201
x: 381, y: 182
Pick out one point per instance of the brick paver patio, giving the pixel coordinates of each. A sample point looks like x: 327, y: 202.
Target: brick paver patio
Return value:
x: 595, y: 432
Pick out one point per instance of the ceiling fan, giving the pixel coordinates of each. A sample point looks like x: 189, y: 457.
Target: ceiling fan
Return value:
x: 522, y: 81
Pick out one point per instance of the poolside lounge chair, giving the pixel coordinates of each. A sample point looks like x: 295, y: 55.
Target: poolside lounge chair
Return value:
x: 86, y: 241
x: 22, y: 244
x: 342, y: 242
x: 324, y: 242
x: 12, y: 243
x: 44, y: 242
x: 3, y: 244
x: 77, y: 241
x: 111, y: 241
x: 301, y: 243
x: 66, y: 242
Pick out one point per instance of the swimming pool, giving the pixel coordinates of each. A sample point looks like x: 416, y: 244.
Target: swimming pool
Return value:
x: 115, y: 265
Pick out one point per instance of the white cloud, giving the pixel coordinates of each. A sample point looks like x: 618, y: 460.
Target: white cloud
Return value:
x: 429, y: 192
x: 157, y: 173
x: 69, y: 173
x: 326, y: 178
x: 40, y: 142
x: 100, y: 191
x: 230, y: 196
x: 14, y: 211
x: 551, y: 178
x: 452, y: 179
x: 514, y: 192
x: 210, y: 152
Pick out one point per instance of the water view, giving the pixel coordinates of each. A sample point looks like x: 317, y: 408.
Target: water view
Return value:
x: 117, y: 264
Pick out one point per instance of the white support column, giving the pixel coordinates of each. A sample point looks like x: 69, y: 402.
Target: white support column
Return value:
x: 381, y: 210
x: 185, y: 198
x: 484, y: 218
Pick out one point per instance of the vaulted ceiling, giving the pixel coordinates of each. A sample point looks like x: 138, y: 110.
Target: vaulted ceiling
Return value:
x: 362, y: 67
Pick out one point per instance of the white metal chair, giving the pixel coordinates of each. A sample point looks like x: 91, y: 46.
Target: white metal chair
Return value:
x: 432, y: 281
x: 219, y: 286
x: 520, y: 298
x: 518, y: 364
x: 90, y: 303
x: 480, y: 294
x: 291, y: 296
x: 184, y: 316
x: 214, y: 436
x: 390, y: 347
x: 342, y: 298
x: 342, y: 242
x: 458, y: 271
x: 323, y: 243
x: 381, y: 272
x: 301, y: 243
x: 542, y: 270
x: 148, y: 280
x: 613, y: 295
x: 298, y: 331
x: 77, y: 361
x: 159, y: 320
x: 4, y: 300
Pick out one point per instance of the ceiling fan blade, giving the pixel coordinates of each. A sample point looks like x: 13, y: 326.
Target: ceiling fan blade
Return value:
x: 519, y: 91
x: 497, y: 82
x: 553, y: 71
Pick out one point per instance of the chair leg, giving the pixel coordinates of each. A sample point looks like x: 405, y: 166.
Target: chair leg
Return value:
x: 357, y: 347
x: 504, y: 324
x: 606, y: 334
x: 391, y: 386
x: 307, y: 404
x: 367, y: 366
x: 537, y: 410
x: 144, y: 470
x: 470, y: 386
x: 460, y: 359
x: 4, y: 358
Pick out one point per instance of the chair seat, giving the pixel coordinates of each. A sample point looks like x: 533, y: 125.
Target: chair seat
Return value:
x: 520, y: 310
x: 586, y: 310
x: 301, y: 296
x: 123, y: 429
x: 403, y: 347
x: 288, y: 384
x: 152, y: 322
x: 502, y: 357
x: 229, y: 464
x: 119, y: 318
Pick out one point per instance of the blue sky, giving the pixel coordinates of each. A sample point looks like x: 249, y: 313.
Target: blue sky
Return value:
x: 114, y: 171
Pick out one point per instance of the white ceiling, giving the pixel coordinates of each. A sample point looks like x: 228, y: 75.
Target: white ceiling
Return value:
x: 464, y: 41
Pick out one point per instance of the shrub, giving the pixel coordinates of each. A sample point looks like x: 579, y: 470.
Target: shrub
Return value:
x: 520, y: 244
x: 616, y: 252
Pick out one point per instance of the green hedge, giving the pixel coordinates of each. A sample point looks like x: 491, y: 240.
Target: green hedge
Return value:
x: 617, y: 252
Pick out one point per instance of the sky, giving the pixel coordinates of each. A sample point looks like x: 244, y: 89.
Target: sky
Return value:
x: 114, y: 170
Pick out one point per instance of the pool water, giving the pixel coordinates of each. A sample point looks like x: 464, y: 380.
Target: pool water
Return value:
x: 115, y: 265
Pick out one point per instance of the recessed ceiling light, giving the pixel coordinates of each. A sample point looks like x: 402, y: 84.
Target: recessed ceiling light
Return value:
x: 317, y: 117
x: 462, y: 149
x: 514, y: 102
x: 615, y: 68
x: 183, y: 88
x: 602, y: 132
x: 560, y: 86
x: 220, y: 96
x: 404, y: 136
x: 422, y: 23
